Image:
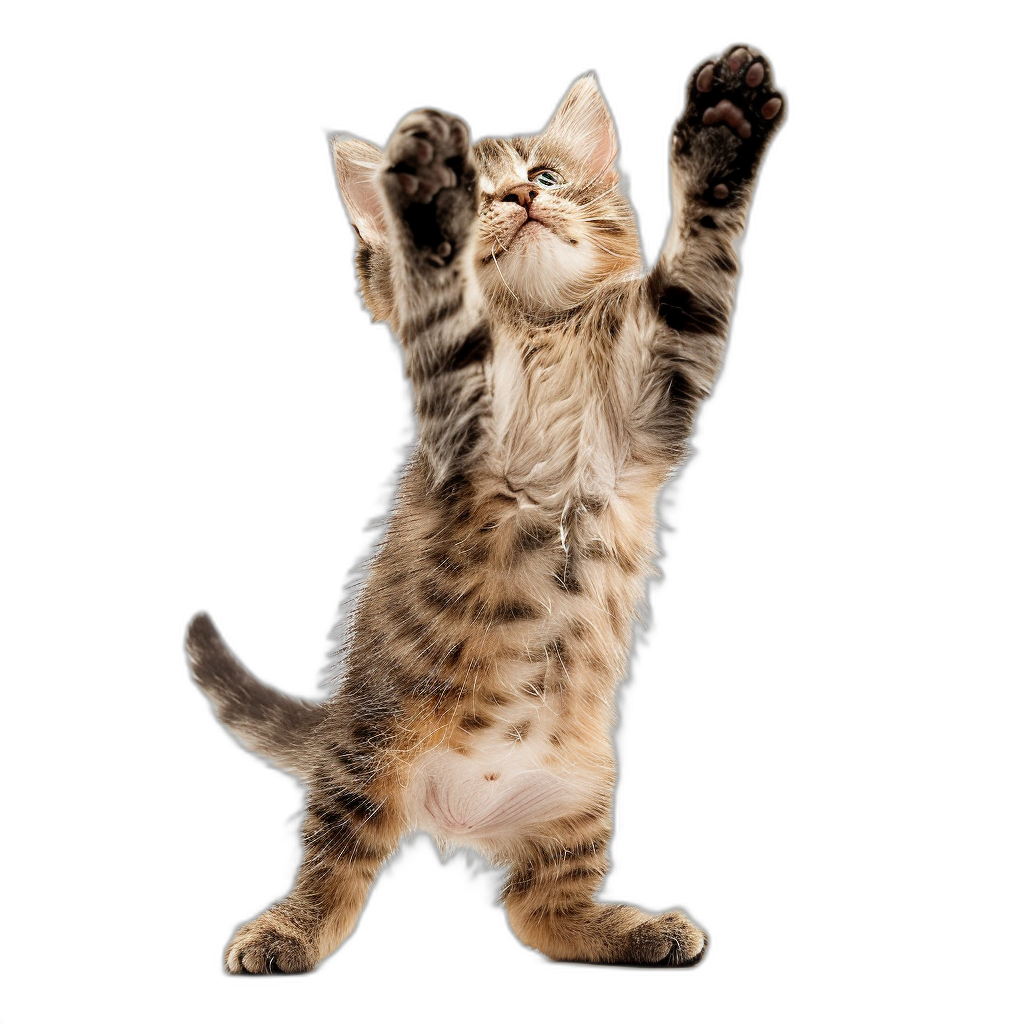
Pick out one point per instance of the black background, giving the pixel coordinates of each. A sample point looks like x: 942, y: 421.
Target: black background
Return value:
x: 289, y: 418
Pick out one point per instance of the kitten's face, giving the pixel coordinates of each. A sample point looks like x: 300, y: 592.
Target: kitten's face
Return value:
x: 552, y: 224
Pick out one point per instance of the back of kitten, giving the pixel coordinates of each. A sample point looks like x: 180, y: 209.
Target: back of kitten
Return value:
x: 555, y: 386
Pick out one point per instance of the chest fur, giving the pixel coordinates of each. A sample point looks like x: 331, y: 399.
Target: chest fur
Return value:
x: 554, y: 432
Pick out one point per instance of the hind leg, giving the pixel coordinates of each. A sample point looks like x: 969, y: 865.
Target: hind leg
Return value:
x: 347, y: 837
x: 550, y: 901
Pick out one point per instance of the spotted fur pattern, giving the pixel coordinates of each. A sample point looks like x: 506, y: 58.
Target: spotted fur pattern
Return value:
x: 555, y: 386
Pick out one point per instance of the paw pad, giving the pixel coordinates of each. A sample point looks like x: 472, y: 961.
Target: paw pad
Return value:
x: 735, y: 90
x: 732, y: 112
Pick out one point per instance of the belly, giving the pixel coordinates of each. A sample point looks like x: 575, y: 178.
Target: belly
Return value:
x: 502, y: 782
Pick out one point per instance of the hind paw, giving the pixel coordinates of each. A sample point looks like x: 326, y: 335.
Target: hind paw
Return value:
x: 669, y: 940
x: 264, y: 947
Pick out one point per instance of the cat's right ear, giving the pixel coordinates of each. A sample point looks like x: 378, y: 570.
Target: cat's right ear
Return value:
x: 357, y: 165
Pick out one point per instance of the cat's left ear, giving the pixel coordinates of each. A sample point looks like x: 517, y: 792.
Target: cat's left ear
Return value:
x: 584, y: 124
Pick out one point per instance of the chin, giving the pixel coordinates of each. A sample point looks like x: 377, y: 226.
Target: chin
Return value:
x: 542, y: 271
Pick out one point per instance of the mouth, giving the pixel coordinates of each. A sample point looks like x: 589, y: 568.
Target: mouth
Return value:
x: 531, y: 220
x: 526, y: 228
x: 532, y: 223
x: 529, y: 226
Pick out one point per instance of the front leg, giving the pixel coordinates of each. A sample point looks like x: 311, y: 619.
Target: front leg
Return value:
x: 429, y: 186
x: 732, y: 112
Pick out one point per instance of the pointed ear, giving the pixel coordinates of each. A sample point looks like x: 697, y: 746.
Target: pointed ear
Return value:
x: 584, y: 124
x: 357, y: 164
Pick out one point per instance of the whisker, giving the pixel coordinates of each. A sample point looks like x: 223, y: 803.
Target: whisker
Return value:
x: 501, y: 275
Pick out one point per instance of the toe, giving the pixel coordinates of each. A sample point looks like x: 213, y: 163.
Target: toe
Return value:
x: 738, y: 58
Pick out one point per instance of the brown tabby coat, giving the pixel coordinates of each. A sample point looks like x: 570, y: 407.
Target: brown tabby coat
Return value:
x: 555, y: 385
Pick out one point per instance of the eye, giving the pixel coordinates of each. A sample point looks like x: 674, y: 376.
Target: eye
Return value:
x: 547, y: 178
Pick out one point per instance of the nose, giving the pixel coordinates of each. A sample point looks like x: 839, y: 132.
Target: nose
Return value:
x: 523, y: 195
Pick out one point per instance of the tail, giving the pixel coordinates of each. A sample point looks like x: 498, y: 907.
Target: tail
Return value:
x: 265, y: 721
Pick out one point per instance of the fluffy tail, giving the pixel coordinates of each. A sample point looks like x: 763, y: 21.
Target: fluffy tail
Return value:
x: 266, y: 721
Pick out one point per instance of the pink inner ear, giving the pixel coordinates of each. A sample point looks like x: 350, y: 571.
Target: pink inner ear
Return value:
x: 604, y: 151
x: 584, y: 123
x: 357, y: 164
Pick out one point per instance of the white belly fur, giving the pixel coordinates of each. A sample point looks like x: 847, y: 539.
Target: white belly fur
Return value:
x: 497, y: 789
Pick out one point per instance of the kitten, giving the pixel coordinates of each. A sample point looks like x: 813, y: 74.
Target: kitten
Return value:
x: 555, y: 385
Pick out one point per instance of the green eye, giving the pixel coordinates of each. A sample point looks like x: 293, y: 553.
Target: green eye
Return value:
x: 547, y: 178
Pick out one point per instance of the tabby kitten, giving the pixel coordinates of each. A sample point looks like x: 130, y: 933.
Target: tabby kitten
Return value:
x: 555, y: 385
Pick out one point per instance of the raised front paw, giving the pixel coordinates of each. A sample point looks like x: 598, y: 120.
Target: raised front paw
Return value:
x: 265, y: 946
x: 429, y: 178
x: 427, y: 153
x: 736, y: 90
x: 732, y: 111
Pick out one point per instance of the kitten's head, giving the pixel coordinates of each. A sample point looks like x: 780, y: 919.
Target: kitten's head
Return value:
x: 552, y: 224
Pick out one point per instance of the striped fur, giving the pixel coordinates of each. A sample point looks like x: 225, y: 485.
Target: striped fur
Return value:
x: 555, y: 385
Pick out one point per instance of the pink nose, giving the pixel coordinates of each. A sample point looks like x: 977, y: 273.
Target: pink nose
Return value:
x: 523, y: 195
